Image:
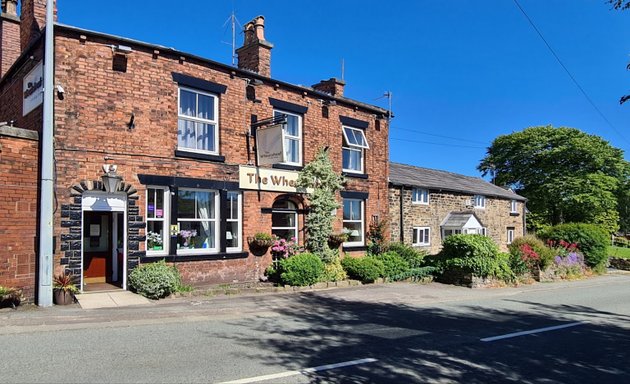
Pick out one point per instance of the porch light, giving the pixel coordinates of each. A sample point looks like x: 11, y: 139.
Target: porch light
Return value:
x: 111, y: 180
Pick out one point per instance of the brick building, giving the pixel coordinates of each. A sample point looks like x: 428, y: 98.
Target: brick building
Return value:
x: 426, y: 205
x: 179, y: 133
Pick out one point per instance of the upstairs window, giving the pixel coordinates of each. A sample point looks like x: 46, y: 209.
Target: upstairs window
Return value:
x: 353, y: 149
x: 420, y: 196
x: 513, y: 206
x: 198, y: 121
x: 479, y: 201
x: 292, y: 133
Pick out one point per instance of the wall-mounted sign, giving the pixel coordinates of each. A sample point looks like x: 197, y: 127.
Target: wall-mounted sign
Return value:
x: 270, y: 145
x: 265, y: 179
x: 33, y: 89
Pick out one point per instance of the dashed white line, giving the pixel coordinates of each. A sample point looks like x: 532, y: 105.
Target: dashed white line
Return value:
x: 280, y: 375
x: 538, y: 330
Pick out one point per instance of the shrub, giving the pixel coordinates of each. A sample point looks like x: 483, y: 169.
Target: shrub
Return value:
x: 333, y: 271
x: 412, y: 256
x: 476, y: 254
x: 376, y: 237
x: 591, y: 239
x: 301, y: 269
x: 366, y: 269
x: 621, y: 242
x: 528, y: 253
x: 415, y: 274
x: 155, y: 280
x: 394, y: 265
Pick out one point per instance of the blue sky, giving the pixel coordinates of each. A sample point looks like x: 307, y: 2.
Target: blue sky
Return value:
x: 461, y: 72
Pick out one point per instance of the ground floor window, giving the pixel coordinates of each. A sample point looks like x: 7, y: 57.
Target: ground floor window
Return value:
x: 197, y: 221
x: 234, y: 219
x: 156, y: 210
x: 449, y: 232
x: 284, y: 220
x: 421, y: 236
x: 354, y: 221
x: 510, y: 235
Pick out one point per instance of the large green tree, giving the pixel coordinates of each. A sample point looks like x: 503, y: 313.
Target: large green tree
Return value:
x: 566, y: 174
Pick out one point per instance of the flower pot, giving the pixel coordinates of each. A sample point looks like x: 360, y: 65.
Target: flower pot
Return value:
x: 258, y: 247
x: 63, y: 297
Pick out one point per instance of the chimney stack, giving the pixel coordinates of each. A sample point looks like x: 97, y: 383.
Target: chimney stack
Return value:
x: 33, y: 19
x: 255, y: 54
x: 332, y: 86
x: 9, y: 35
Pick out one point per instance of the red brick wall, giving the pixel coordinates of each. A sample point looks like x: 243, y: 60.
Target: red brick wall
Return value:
x: 9, y: 42
x: 18, y: 211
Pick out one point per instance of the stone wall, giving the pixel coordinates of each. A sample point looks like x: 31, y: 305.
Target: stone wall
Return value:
x: 496, y: 216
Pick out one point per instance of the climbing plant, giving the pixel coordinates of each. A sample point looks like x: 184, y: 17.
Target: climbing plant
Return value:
x: 322, y: 184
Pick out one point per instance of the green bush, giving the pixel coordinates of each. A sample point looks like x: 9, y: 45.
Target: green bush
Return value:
x: 416, y: 274
x: 302, y: 269
x: 476, y: 254
x: 155, y: 280
x: 366, y: 269
x: 529, y: 252
x: 333, y: 271
x: 592, y: 241
x: 621, y: 242
x: 412, y: 256
x: 394, y: 265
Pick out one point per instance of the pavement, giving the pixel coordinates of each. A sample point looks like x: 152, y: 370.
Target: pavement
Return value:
x: 110, y: 299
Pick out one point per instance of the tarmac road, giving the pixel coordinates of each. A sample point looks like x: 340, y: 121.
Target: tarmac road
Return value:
x: 569, y: 332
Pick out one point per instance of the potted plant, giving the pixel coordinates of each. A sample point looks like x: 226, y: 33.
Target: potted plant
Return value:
x: 187, y: 236
x: 154, y: 241
x: 260, y: 243
x: 10, y: 297
x: 64, y: 289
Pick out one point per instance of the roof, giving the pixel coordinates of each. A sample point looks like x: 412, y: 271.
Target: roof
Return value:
x: 242, y: 72
x: 460, y: 219
x: 433, y: 179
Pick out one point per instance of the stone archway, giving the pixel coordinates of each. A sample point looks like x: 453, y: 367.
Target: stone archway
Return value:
x: 72, y: 222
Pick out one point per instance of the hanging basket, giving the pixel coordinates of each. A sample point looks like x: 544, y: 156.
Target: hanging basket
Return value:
x: 335, y: 240
x: 257, y: 246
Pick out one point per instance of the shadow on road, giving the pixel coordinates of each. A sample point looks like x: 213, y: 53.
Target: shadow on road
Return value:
x: 432, y: 344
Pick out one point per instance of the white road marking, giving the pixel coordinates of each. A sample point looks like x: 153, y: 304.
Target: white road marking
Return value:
x: 300, y: 372
x: 538, y: 330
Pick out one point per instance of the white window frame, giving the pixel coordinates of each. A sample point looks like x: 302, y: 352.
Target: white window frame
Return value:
x: 286, y: 136
x: 513, y: 206
x: 195, y: 119
x: 479, y: 201
x: 165, y: 221
x: 455, y: 231
x: 346, y: 146
x: 292, y: 211
x: 420, y: 196
x: 510, y: 235
x: 361, y: 220
x: 239, y: 220
x: 216, y: 220
x: 416, y: 236
x: 483, y: 231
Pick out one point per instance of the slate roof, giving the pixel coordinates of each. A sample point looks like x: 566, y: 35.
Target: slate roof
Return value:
x: 435, y: 180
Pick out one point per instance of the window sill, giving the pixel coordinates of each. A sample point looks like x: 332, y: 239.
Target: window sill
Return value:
x: 514, y: 214
x: 288, y: 167
x: 197, y: 257
x: 355, y: 175
x: 199, y: 156
x: 419, y: 203
x: 354, y: 248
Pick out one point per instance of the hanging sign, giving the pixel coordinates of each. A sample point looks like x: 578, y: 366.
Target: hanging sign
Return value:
x: 270, y: 145
x: 33, y: 89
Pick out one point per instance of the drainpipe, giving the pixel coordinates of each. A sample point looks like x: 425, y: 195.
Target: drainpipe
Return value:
x: 44, y: 278
x: 402, y: 221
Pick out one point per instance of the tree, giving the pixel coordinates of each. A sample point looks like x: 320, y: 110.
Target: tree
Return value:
x: 319, y: 176
x: 566, y: 174
x: 621, y: 5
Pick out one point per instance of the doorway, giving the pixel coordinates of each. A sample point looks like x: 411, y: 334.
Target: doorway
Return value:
x: 103, y: 238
